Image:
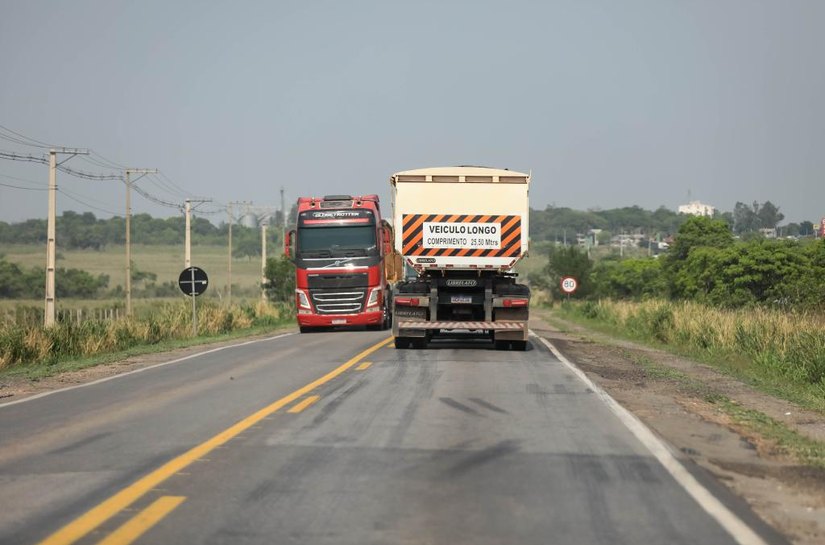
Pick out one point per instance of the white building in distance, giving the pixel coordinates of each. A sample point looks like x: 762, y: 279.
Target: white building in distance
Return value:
x: 696, y: 208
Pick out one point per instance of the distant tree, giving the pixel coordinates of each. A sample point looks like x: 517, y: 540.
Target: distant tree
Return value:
x: 697, y: 232
x: 769, y: 215
x: 569, y: 261
x: 628, y: 278
x: 790, y: 230
x: 744, y: 218
x: 806, y: 228
x: 280, y: 279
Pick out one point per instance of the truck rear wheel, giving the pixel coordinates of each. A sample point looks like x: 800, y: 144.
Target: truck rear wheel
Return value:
x: 402, y: 342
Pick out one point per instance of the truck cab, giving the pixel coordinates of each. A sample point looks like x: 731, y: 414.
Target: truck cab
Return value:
x: 339, y: 247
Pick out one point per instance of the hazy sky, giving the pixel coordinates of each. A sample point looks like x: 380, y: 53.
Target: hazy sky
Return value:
x: 609, y: 103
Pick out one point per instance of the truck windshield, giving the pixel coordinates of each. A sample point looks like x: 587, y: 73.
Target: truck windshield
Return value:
x: 337, y: 241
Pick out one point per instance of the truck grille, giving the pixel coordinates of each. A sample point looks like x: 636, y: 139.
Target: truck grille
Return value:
x: 342, y: 281
x: 338, y: 302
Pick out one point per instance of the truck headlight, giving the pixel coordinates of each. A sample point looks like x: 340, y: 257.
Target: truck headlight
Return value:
x: 301, y: 299
x: 375, y: 297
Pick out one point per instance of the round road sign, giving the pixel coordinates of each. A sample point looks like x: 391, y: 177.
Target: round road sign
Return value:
x: 569, y: 284
x: 193, y: 281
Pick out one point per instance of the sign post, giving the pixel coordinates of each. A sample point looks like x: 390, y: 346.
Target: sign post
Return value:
x: 193, y: 282
x: 569, y: 285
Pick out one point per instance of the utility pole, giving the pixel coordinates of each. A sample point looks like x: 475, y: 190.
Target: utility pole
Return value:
x: 187, y: 244
x: 128, y: 173
x: 51, y: 246
x: 229, y: 209
x: 187, y: 253
x: 229, y: 268
x: 283, y: 217
x: 263, y: 262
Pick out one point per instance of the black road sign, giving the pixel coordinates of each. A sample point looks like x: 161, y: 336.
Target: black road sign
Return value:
x: 193, y: 281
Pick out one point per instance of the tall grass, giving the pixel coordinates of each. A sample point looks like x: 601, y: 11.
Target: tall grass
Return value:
x: 22, y: 344
x: 786, y: 345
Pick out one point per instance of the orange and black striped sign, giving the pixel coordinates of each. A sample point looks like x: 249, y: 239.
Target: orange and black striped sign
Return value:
x: 463, y: 235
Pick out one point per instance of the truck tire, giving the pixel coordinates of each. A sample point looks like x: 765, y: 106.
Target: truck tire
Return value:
x: 519, y: 345
x: 402, y: 342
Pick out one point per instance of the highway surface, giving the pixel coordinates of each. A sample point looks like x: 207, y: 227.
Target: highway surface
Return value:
x: 338, y: 438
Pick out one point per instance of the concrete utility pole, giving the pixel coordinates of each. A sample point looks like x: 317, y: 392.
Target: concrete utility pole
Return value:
x: 263, y: 262
x: 187, y: 245
x: 229, y: 268
x: 128, y: 173
x: 51, y: 242
x: 229, y: 209
x: 187, y: 253
x: 283, y: 217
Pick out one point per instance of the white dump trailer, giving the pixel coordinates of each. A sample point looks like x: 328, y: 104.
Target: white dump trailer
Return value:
x: 461, y: 230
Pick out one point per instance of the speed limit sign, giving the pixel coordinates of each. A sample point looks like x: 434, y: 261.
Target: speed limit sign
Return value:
x: 569, y: 284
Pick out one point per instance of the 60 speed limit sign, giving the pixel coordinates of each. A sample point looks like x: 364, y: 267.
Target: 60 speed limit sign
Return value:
x: 569, y: 284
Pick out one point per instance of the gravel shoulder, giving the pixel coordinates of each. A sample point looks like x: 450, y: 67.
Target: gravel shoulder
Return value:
x: 788, y: 496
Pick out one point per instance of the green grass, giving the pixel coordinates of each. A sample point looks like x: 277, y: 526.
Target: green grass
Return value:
x: 756, y: 366
x: 167, y: 261
x: 31, y: 345
x: 42, y: 370
x: 802, y: 449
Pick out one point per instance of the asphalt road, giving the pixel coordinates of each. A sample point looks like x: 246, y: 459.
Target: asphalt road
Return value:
x: 316, y: 439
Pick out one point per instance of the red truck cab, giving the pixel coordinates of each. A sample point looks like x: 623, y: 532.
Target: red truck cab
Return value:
x: 339, y: 247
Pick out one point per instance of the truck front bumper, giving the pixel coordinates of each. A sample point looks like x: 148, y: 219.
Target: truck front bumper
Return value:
x: 372, y: 317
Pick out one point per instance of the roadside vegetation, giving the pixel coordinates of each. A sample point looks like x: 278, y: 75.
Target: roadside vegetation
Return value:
x: 26, y: 346
x: 752, y: 306
x: 779, y: 352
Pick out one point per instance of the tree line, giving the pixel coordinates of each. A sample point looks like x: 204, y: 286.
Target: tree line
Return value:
x: 559, y: 224
x: 85, y: 231
x: 706, y: 264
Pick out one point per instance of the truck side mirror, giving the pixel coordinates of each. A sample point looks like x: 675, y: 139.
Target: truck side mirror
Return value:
x: 386, y: 238
x: 289, y: 244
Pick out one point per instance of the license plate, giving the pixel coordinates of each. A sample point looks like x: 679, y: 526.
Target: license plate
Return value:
x: 461, y: 299
x: 339, y: 321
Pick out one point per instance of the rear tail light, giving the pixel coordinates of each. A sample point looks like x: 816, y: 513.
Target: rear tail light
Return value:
x: 520, y: 302
x: 407, y: 301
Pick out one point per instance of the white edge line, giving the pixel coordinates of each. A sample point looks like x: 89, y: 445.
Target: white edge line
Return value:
x: 741, y: 532
x: 141, y: 370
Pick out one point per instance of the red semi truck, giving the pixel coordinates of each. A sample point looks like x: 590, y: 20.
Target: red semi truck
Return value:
x: 342, y: 251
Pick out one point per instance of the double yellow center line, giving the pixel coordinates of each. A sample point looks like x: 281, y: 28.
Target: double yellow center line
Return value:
x: 96, y: 516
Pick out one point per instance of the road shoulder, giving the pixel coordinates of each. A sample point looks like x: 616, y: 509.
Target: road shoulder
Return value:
x: 674, y: 397
x: 15, y: 388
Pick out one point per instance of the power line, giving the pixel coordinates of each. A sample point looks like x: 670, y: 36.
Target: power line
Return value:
x: 148, y: 196
x: 163, y: 186
x: 79, y: 201
x: 173, y: 184
x: 25, y: 188
x: 80, y: 195
x: 37, y: 143
x: 112, y: 163
x: 18, y: 157
x: 21, y: 179
x: 88, y: 175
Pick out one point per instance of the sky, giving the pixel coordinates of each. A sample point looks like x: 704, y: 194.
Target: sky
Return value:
x: 608, y: 104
